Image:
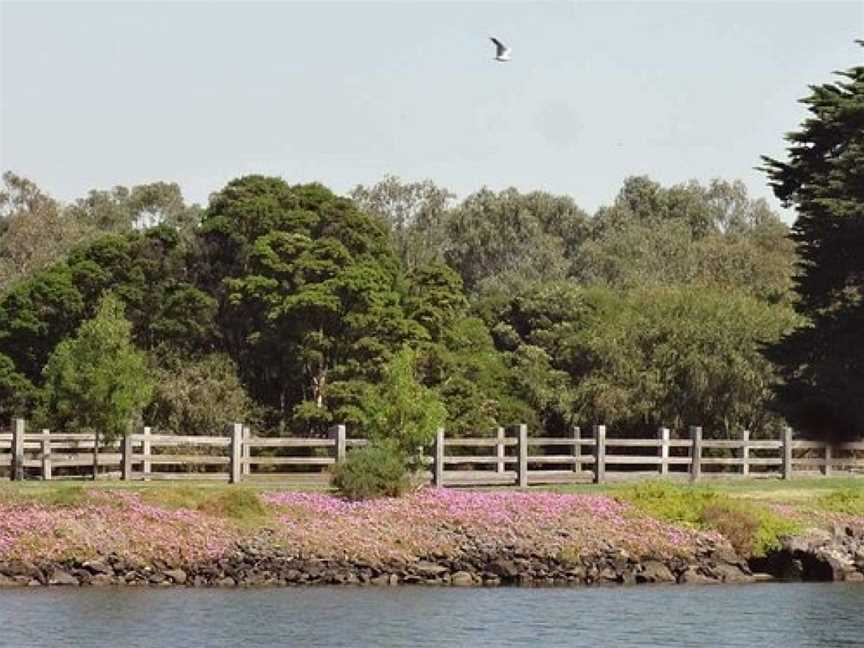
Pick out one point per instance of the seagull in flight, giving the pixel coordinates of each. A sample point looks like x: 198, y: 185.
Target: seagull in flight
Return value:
x: 502, y: 52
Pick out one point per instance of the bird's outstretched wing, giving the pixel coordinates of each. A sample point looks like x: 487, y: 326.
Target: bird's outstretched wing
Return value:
x: 501, y: 47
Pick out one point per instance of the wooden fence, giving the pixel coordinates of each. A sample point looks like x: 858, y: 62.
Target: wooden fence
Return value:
x: 509, y: 457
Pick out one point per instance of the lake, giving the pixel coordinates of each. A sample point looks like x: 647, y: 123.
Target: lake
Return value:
x: 746, y: 615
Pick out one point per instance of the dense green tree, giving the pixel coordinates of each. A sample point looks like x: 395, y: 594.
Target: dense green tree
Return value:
x: 97, y: 381
x: 415, y: 213
x: 18, y: 396
x: 649, y: 357
x: 823, y: 177
x: 401, y: 409
x: 35, y: 232
x: 711, y: 235
x: 197, y: 396
x: 501, y: 240
x: 36, y: 315
x: 457, y: 356
x: 122, y: 209
x: 311, y: 293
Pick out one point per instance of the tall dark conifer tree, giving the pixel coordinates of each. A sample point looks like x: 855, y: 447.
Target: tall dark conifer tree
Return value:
x: 823, y: 178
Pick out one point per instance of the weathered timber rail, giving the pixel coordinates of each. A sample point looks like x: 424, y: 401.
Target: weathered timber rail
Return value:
x: 509, y: 457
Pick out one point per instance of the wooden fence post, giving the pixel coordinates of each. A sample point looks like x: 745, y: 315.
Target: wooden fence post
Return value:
x: 337, y: 433
x: 146, y: 449
x: 599, y: 454
x: 663, y: 433
x: 499, y: 451
x: 787, y: 453
x: 696, y: 452
x: 577, y: 449
x: 826, y: 469
x: 246, y: 467
x: 18, y: 428
x: 745, y: 453
x: 521, y: 433
x: 46, y: 455
x: 236, y: 453
x: 438, y: 464
x: 127, y: 458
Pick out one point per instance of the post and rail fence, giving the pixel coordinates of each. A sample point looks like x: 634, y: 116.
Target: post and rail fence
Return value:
x: 509, y: 456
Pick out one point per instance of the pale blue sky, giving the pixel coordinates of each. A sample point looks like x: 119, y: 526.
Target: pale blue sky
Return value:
x: 100, y: 94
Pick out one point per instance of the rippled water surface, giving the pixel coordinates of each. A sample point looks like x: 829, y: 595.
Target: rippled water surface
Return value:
x: 753, y: 615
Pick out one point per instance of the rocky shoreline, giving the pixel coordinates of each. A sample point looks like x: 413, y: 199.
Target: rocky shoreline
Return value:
x: 816, y: 555
x: 431, y: 538
x: 250, y: 565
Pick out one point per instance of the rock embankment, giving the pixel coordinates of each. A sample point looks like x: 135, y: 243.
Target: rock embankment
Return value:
x: 257, y: 565
x: 819, y: 555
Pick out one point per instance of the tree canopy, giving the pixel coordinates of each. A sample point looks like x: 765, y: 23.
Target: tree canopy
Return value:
x: 823, y: 177
x: 286, y: 304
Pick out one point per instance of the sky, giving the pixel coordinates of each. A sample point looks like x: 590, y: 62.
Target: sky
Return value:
x: 100, y: 94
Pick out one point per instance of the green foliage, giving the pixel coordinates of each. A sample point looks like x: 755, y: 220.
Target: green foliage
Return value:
x: 670, y: 502
x: 377, y: 470
x: 400, y: 409
x: 239, y: 504
x: 688, y: 234
x: 197, y: 396
x: 823, y: 364
x: 310, y: 293
x: 18, y: 396
x: 849, y: 501
x: 34, y: 230
x: 97, y: 381
x: 649, y: 357
x: 501, y: 240
x: 751, y: 530
x: 457, y: 357
x: 415, y: 214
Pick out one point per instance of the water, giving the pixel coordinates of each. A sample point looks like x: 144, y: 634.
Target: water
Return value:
x: 765, y: 615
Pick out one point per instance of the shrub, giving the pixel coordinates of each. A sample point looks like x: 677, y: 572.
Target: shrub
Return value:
x: 670, y: 502
x: 847, y: 501
x: 240, y: 505
x: 378, y: 470
x: 752, y: 530
x: 400, y: 410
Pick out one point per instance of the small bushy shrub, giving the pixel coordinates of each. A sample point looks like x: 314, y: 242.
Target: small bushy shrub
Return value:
x: 752, y: 530
x: 670, y: 502
x: 847, y: 501
x: 378, y: 470
x: 240, y: 505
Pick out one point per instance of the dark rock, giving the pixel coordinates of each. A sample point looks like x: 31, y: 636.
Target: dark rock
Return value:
x: 98, y: 567
x: 462, y: 579
x: 428, y: 569
x: 654, y: 571
x: 730, y: 573
x: 8, y: 581
x: 504, y: 569
x: 693, y: 577
x: 101, y: 580
x: 61, y: 577
x: 176, y: 575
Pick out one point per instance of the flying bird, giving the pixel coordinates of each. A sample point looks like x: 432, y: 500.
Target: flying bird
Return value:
x: 502, y: 52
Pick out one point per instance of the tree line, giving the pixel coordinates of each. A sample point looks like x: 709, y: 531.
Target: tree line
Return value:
x: 288, y: 306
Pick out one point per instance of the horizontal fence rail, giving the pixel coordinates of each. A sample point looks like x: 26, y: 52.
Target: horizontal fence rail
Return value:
x: 507, y: 457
